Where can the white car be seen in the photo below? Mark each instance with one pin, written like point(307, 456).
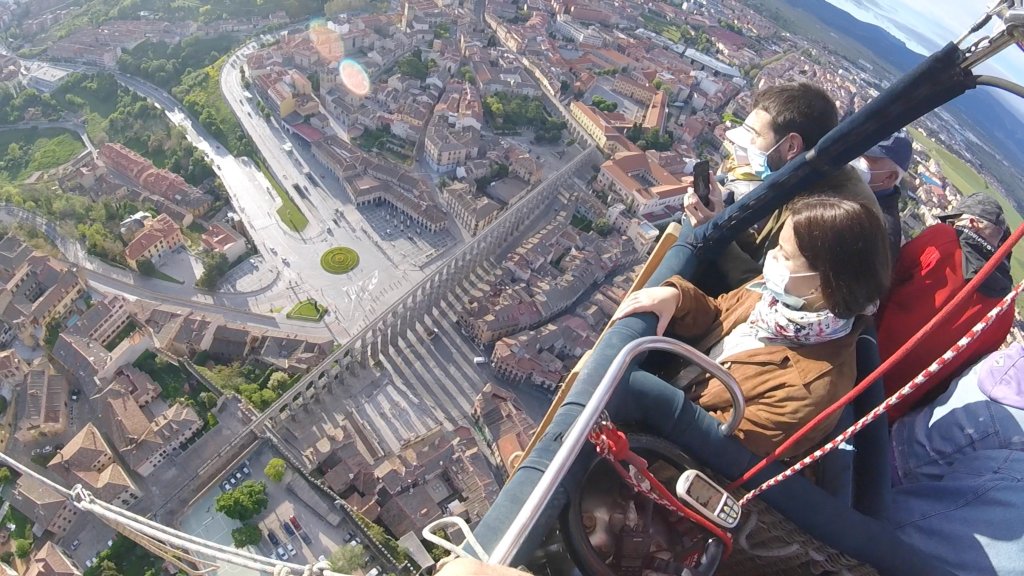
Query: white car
point(291, 549)
point(281, 553)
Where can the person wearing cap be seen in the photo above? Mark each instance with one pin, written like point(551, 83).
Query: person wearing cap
point(958, 466)
point(932, 269)
point(882, 167)
point(787, 120)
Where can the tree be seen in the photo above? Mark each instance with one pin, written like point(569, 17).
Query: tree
point(146, 266)
point(275, 469)
point(244, 502)
point(279, 381)
point(209, 399)
point(215, 266)
point(564, 86)
point(347, 559)
point(246, 535)
point(5, 475)
point(603, 227)
point(22, 548)
point(108, 568)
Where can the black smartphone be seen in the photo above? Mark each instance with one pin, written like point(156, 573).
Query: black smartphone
point(702, 182)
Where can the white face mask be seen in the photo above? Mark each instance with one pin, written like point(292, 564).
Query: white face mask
point(776, 277)
point(759, 160)
point(865, 171)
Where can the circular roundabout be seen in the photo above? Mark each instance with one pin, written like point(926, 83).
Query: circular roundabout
point(339, 260)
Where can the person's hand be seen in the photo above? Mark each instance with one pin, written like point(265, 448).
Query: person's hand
point(662, 300)
point(473, 567)
point(695, 210)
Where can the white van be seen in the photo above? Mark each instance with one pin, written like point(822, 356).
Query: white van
point(480, 360)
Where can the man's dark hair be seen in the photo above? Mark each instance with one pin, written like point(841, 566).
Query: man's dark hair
point(802, 108)
point(846, 244)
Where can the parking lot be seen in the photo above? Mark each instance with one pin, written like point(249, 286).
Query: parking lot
point(180, 264)
point(203, 520)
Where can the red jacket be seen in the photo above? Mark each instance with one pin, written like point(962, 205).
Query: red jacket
point(928, 275)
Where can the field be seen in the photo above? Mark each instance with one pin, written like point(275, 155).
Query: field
point(36, 149)
point(310, 310)
point(289, 211)
point(967, 181)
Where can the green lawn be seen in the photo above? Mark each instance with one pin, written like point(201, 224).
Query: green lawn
point(42, 149)
point(128, 558)
point(120, 336)
point(289, 212)
point(308, 310)
point(159, 275)
point(968, 181)
point(339, 260)
point(581, 223)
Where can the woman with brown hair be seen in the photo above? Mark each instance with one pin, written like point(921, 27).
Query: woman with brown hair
point(788, 337)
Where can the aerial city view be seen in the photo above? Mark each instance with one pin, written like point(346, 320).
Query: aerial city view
point(295, 279)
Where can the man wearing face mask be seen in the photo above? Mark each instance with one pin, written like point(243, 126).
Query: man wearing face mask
point(882, 168)
point(786, 121)
point(932, 269)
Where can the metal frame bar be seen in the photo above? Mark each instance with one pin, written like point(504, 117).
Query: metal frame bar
point(576, 437)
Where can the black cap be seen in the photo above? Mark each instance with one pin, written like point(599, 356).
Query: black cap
point(980, 206)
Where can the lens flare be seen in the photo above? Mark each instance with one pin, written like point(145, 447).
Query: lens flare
point(326, 40)
point(354, 77)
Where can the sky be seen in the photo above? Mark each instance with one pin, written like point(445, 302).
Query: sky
point(947, 20)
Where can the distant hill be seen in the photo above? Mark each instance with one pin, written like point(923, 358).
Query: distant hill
point(992, 121)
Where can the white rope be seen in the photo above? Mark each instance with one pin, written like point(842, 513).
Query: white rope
point(84, 500)
point(24, 470)
point(429, 535)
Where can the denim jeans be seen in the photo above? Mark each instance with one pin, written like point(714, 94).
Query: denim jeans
point(961, 464)
point(970, 520)
point(927, 443)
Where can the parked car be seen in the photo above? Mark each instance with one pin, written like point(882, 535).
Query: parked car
point(288, 528)
point(245, 469)
point(273, 538)
point(305, 538)
point(349, 536)
point(291, 549)
point(295, 522)
point(232, 480)
point(74, 545)
point(238, 475)
point(74, 394)
point(225, 486)
point(281, 553)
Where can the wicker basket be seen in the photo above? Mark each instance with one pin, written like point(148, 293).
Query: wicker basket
point(767, 544)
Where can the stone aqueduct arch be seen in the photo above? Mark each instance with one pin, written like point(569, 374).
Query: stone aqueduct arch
point(376, 339)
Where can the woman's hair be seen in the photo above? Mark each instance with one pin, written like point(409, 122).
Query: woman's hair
point(845, 242)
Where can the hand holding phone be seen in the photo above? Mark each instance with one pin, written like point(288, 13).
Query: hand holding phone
point(702, 182)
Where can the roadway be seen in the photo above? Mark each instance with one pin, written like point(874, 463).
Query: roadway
point(354, 298)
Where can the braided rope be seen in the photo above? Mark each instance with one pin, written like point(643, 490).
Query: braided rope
point(902, 393)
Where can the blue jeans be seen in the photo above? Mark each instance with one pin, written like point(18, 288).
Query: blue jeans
point(961, 462)
point(970, 520)
point(928, 442)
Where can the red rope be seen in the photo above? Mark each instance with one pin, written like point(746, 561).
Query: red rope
point(613, 445)
point(954, 306)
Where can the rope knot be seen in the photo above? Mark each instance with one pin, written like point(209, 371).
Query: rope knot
point(79, 495)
